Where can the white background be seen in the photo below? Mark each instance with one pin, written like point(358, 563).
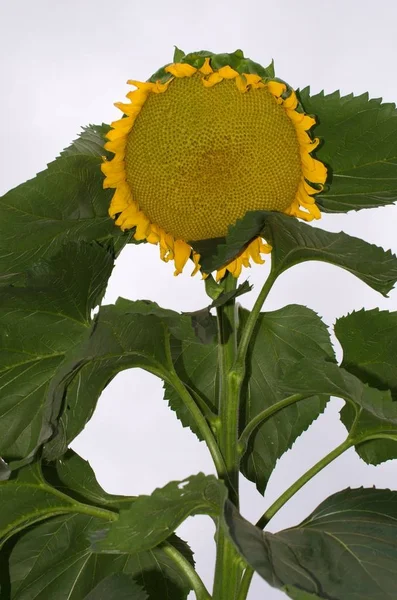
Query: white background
point(63, 64)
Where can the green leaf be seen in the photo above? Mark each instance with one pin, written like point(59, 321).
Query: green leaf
point(360, 146)
point(369, 343)
point(196, 365)
point(346, 549)
point(125, 335)
point(281, 339)
point(151, 519)
point(294, 242)
point(73, 476)
point(117, 587)
point(26, 500)
point(309, 377)
point(54, 561)
point(364, 424)
point(178, 55)
point(66, 202)
point(217, 252)
point(40, 323)
point(225, 297)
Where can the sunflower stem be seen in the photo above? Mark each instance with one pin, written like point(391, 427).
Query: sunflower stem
point(228, 562)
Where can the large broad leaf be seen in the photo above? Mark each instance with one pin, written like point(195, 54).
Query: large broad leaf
point(281, 338)
point(294, 242)
point(66, 202)
point(345, 550)
point(26, 500)
point(308, 377)
point(369, 342)
point(360, 147)
point(39, 324)
point(73, 475)
point(125, 335)
point(54, 561)
point(151, 519)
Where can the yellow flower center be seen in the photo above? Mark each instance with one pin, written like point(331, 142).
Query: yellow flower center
point(198, 158)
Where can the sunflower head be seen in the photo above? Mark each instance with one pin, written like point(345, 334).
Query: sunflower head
point(201, 143)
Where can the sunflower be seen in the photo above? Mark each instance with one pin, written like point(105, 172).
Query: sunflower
point(201, 143)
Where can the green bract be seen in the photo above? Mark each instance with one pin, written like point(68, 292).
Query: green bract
point(247, 383)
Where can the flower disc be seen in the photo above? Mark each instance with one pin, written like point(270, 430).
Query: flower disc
point(198, 158)
point(199, 146)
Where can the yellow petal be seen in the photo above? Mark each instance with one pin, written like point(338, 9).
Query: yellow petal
point(196, 260)
point(166, 247)
point(182, 252)
point(154, 236)
point(220, 273)
point(123, 125)
point(128, 218)
point(227, 72)
point(142, 226)
point(265, 248)
point(313, 210)
point(144, 86)
point(241, 84)
point(116, 134)
point(160, 88)
point(313, 170)
point(291, 102)
point(117, 146)
point(114, 171)
point(276, 88)
point(254, 249)
point(304, 122)
point(212, 80)
point(206, 69)
point(122, 199)
point(310, 190)
point(252, 79)
point(138, 97)
point(234, 267)
point(181, 70)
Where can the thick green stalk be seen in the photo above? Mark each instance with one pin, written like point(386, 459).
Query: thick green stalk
point(188, 571)
point(245, 584)
point(227, 570)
